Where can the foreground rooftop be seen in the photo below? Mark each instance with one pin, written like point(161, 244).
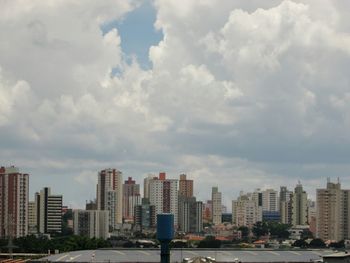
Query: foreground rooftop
point(177, 255)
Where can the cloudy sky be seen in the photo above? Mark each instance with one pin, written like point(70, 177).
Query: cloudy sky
point(239, 94)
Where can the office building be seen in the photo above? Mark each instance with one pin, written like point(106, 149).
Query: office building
point(333, 207)
point(216, 199)
point(14, 189)
point(49, 212)
point(145, 216)
point(146, 182)
point(91, 223)
point(190, 215)
point(299, 206)
point(110, 195)
point(131, 197)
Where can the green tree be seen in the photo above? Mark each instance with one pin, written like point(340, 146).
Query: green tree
point(209, 242)
point(300, 243)
point(317, 243)
point(260, 229)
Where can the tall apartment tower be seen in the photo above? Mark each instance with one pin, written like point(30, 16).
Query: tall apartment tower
point(14, 191)
point(216, 199)
point(299, 206)
point(333, 208)
point(285, 205)
point(110, 195)
point(270, 200)
point(146, 182)
point(131, 197)
point(163, 194)
point(190, 210)
point(185, 186)
point(49, 212)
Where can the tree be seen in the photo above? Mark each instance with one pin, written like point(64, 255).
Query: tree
point(209, 242)
point(260, 229)
point(278, 230)
point(245, 231)
point(317, 243)
point(300, 243)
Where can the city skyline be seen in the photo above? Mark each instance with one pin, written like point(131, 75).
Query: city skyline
point(238, 94)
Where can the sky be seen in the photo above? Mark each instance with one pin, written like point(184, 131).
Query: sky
point(236, 94)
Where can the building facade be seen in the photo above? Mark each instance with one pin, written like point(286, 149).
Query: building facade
point(333, 208)
point(216, 199)
point(185, 186)
point(299, 206)
point(131, 197)
point(285, 205)
point(110, 195)
point(163, 194)
point(14, 191)
point(245, 211)
point(48, 212)
point(190, 215)
point(145, 216)
point(91, 223)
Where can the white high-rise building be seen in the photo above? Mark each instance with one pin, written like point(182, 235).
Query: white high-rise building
point(216, 199)
point(163, 194)
point(270, 201)
point(110, 195)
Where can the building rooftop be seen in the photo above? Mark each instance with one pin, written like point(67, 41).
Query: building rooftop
point(177, 255)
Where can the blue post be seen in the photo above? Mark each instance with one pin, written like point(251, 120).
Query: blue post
point(165, 233)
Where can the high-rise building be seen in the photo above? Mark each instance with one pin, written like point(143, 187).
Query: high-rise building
point(216, 199)
point(190, 215)
point(110, 195)
point(299, 206)
point(14, 191)
point(311, 216)
point(146, 184)
point(91, 223)
point(163, 194)
point(131, 197)
point(270, 200)
point(245, 211)
point(49, 212)
point(145, 216)
point(32, 218)
point(285, 205)
point(333, 208)
point(185, 186)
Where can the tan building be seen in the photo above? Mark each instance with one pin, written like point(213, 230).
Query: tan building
point(299, 206)
point(185, 186)
point(245, 211)
point(333, 208)
point(32, 219)
point(216, 200)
